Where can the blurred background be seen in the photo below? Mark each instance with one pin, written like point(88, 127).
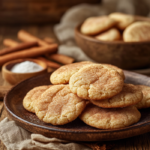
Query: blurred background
point(50, 11)
point(57, 18)
point(36, 11)
point(22, 13)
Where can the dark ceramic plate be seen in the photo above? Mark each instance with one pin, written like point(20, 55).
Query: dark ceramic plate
point(76, 130)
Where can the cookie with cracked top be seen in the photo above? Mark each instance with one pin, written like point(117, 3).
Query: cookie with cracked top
point(145, 102)
point(119, 70)
point(110, 118)
point(63, 74)
point(32, 96)
point(96, 82)
point(58, 105)
point(129, 95)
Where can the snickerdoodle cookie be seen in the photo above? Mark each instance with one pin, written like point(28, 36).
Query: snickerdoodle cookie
point(123, 20)
point(129, 95)
point(96, 82)
point(58, 105)
point(119, 70)
point(138, 31)
point(145, 102)
point(32, 96)
point(95, 25)
point(110, 118)
point(109, 35)
point(63, 74)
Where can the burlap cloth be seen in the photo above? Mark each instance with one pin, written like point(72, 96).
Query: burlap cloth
point(15, 137)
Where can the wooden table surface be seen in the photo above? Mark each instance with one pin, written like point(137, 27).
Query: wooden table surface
point(141, 142)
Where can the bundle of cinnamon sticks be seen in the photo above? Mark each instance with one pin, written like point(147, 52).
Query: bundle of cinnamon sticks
point(33, 47)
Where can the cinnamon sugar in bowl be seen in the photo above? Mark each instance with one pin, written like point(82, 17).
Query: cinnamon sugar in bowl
point(16, 77)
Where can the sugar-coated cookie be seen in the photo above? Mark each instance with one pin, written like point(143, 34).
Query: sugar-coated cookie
point(32, 96)
point(109, 35)
point(123, 20)
point(129, 95)
point(145, 102)
point(58, 105)
point(119, 70)
point(95, 25)
point(110, 118)
point(63, 74)
point(96, 82)
point(136, 32)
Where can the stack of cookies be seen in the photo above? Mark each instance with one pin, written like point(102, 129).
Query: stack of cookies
point(117, 27)
point(96, 93)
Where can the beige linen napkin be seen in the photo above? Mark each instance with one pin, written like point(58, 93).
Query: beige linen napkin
point(16, 138)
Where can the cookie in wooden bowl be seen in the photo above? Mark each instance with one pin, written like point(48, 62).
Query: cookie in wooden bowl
point(123, 20)
point(95, 25)
point(129, 95)
point(137, 32)
point(110, 118)
point(58, 105)
point(96, 82)
point(119, 53)
point(110, 35)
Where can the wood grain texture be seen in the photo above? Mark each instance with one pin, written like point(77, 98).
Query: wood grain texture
point(3, 91)
point(75, 130)
point(40, 11)
point(141, 142)
point(2, 115)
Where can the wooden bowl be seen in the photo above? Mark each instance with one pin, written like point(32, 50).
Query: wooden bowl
point(14, 78)
point(126, 55)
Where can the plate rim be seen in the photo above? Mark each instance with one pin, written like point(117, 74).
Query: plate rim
point(97, 131)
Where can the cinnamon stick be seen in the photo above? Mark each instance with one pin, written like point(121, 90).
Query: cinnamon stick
point(27, 37)
point(49, 40)
point(18, 47)
point(10, 43)
point(49, 63)
point(60, 58)
point(32, 52)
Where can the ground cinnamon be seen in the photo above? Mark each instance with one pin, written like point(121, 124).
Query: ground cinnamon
point(27, 37)
point(18, 47)
point(60, 58)
point(32, 52)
